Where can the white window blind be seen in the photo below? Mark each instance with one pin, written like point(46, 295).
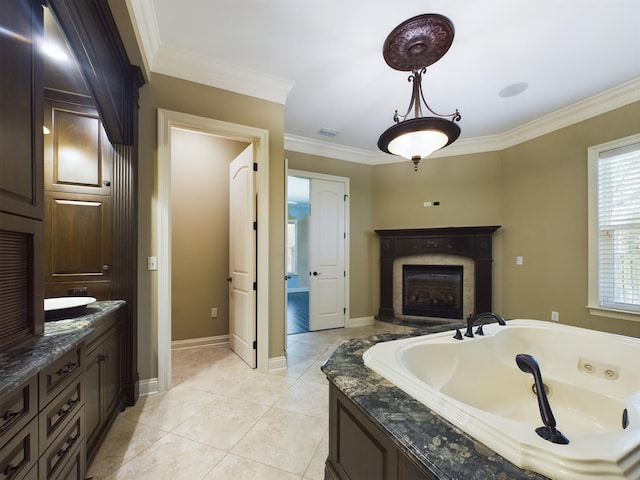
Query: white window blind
point(619, 228)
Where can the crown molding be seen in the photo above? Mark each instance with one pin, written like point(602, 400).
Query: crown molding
point(310, 146)
point(199, 68)
point(146, 30)
point(606, 101)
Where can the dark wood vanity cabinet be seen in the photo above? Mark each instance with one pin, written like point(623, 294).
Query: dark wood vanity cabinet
point(104, 378)
point(42, 433)
point(360, 450)
point(61, 416)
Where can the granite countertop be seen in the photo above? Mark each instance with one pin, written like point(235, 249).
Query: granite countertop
point(439, 447)
point(25, 359)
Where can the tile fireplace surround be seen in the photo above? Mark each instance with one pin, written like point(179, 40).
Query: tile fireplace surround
point(439, 246)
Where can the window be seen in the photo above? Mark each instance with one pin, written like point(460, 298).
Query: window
point(614, 229)
point(292, 232)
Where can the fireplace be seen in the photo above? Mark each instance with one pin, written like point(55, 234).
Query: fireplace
point(432, 291)
point(466, 248)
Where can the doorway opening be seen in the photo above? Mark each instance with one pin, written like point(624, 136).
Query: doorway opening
point(297, 255)
point(317, 251)
point(167, 122)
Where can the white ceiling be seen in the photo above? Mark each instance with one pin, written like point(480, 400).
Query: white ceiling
point(323, 61)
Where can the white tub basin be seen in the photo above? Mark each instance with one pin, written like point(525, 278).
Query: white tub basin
point(476, 385)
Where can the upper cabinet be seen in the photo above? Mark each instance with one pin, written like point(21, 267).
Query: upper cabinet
point(21, 92)
point(78, 155)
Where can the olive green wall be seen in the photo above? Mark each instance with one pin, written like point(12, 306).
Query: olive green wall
point(545, 220)
point(200, 233)
point(537, 192)
point(360, 212)
point(195, 99)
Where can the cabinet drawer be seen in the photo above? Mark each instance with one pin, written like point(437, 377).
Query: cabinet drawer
point(63, 447)
point(60, 373)
point(18, 408)
point(20, 453)
point(55, 416)
point(75, 466)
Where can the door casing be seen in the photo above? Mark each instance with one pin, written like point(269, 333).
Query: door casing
point(346, 181)
point(167, 120)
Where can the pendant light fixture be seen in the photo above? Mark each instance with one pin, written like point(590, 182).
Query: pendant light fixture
point(411, 47)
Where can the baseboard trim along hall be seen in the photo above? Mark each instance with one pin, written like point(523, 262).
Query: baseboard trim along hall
point(277, 364)
point(358, 322)
point(200, 342)
point(148, 387)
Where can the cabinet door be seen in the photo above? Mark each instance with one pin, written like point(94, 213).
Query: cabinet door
point(78, 157)
point(20, 109)
point(113, 370)
point(357, 447)
point(93, 402)
point(78, 244)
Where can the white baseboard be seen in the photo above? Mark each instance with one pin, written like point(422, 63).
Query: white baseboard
point(200, 342)
point(359, 322)
point(148, 387)
point(277, 364)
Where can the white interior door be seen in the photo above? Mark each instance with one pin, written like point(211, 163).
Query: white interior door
point(327, 255)
point(242, 257)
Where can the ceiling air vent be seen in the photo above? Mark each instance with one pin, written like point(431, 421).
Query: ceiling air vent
point(328, 132)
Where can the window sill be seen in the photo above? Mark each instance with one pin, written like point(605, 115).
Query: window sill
point(619, 314)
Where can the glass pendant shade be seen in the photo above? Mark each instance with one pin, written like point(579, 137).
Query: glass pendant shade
point(418, 137)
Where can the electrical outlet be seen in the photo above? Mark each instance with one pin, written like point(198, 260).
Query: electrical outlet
point(214, 313)
point(519, 260)
point(555, 316)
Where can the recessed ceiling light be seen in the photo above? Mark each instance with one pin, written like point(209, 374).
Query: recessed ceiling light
point(328, 132)
point(513, 89)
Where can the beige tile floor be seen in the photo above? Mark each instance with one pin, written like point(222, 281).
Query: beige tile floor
point(223, 420)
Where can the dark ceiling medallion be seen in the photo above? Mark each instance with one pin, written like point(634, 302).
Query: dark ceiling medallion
point(412, 46)
point(418, 42)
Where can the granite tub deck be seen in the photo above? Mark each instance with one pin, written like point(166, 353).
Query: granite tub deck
point(437, 446)
point(25, 359)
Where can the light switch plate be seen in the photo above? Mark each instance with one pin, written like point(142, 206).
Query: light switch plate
point(152, 263)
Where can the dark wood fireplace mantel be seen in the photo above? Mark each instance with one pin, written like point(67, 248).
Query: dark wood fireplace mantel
point(473, 242)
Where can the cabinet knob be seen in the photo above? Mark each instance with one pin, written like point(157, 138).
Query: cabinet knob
point(105, 268)
point(107, 183)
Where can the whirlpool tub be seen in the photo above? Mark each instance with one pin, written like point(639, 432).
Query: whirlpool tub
point(592, 381)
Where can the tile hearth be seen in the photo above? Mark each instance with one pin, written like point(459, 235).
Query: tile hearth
point(223, 420)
